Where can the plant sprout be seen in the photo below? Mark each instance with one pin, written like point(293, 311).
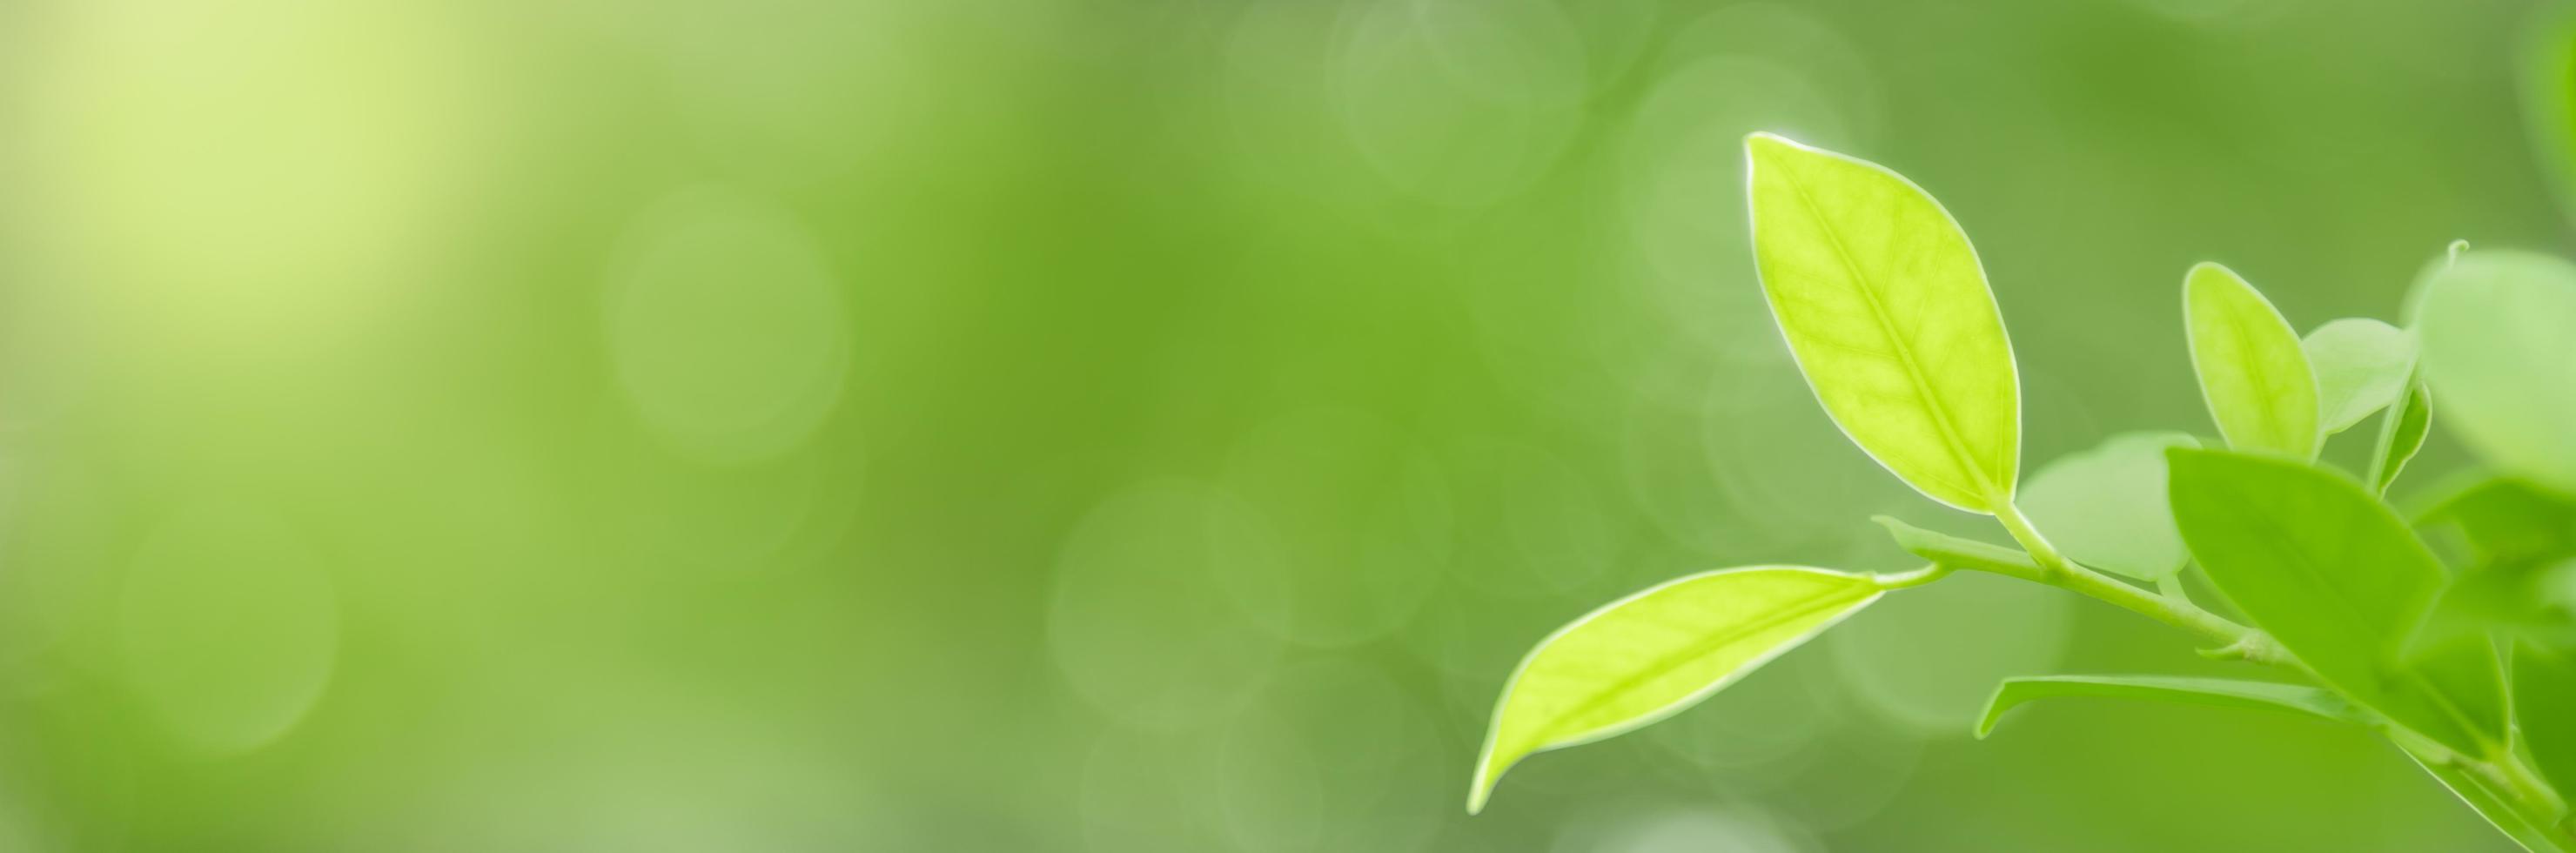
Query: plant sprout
point(2467, 667)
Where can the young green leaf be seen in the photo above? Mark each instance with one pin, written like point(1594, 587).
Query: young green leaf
point(1648, 656)
point(2106, 507)
point(2494, 330)
point(2544, 703)
point(2361, 365)
point(1887, 311)
point(2401, 435)
point(2253, 374)
point(2335, 576)
point(2222, 692)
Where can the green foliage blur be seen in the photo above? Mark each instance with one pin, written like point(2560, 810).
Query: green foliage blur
point(1118, 425)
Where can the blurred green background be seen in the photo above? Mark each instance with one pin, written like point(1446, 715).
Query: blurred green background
point(1114, 425)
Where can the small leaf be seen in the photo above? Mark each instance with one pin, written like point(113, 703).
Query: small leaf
point(2335, 576)
point(2544, 703)
point(2106, 507)
point(1648, 656)
point(2253, 374)
point(1887, 311)
point(2495, 334)
point(2361, 367)
point(2222, 692)
point(2402, 436)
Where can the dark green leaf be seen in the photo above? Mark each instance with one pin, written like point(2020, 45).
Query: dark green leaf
point(2335, 576)
point(2544, 704)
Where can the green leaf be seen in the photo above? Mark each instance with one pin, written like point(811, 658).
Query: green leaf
point(1887, 311)
point(2509, 520)
point(2473, 791)
point(2494, 328)
point(2521, 540)
point(1955, 552)
point(2544, 704)
point(2340, 581)
point(2106, 507)
point(2361, 366)
point(1648, 656)
point(2252, 371)
point(2222, 692)
point(2401, 436)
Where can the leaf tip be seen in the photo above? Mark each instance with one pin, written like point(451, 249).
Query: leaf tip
point(1764, 145)
point(2207, 270)
point(1995, 708)
point(1481, 788)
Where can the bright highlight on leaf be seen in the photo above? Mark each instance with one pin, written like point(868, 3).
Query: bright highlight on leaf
point(1648, 656)
point(2495, 333)
point(2361, 365)
point(2106, 506)
point(1885, 306)
point(2335, 576)
point(2221, 692)
point(2253, 373)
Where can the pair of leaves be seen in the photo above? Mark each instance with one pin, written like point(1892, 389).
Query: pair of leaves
point(1886, 309)
point(2273, 392)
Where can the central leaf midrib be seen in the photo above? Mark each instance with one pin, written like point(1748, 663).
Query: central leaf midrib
point(1904, 349)
point(1717, 640)
point(2242, 330)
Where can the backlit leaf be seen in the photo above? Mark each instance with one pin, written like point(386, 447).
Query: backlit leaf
point(2340, 581)
point(1648, 656)
point(2361, 367)
point(2495, 328)
point(2222, 692)
point(2253, 373)
point(1886, 308)
point(2106, 506)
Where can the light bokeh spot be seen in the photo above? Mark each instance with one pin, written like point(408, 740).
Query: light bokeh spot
point(726, 324)
point(228, 627)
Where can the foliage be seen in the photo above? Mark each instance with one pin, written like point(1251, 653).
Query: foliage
point(1885, 306)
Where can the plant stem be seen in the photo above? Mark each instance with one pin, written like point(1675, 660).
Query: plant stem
point(2502, 787)
point(2058, 571)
